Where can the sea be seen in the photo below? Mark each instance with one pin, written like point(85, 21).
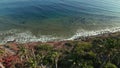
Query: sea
point(55, 20)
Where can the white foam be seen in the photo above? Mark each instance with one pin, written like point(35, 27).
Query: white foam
point(23, 37)
point(85, 33)
point(27, 36)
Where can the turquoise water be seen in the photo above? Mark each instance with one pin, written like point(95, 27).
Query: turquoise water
point(56, 18)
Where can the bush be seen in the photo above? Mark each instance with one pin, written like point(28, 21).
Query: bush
point(110, 65)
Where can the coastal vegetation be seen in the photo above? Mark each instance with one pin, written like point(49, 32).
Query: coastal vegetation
point(93, 53)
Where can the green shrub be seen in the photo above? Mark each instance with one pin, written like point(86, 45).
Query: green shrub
point(110, 65)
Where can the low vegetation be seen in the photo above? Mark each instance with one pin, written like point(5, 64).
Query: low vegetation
point(97, 53)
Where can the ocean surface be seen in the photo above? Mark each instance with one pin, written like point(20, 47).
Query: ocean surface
point(46, 20)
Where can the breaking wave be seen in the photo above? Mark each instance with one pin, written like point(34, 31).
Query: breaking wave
point(27, 36)
point(83, 33)
point(24, 37)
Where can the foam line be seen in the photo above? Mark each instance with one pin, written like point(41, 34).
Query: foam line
point(27, 36)
point(84, 33)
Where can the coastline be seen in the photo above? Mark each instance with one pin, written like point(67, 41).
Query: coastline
point(60, 43)
point(11, 48)
point(27, 37)
point(59, 34)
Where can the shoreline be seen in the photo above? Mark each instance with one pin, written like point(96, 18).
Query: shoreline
point(23, 38)
point(13, 46)
point(12, 49)
point(81, 38)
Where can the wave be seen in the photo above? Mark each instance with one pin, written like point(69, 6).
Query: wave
point(26, 36)
point(84, 33)
point(23, 37)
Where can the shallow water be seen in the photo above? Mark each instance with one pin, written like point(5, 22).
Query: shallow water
point(55, 19)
